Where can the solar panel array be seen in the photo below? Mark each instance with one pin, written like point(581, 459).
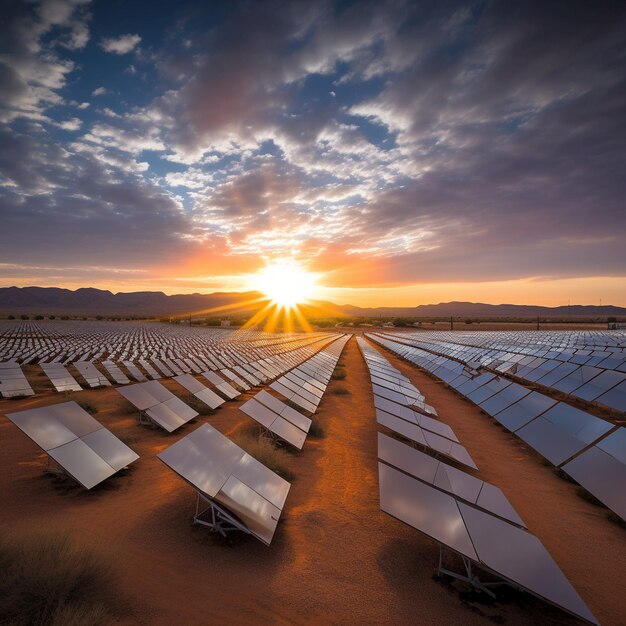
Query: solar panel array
point(568, 437)
point(480, 538)
point(60, 377)
point(13, 383)
point(237, 492)
point(304, 385)
point(589, 366)
point(465, 515)
point(157, 405)
point(93, 377)
point(200, 391)
point(102, 353)
point(78, 443)
point(414, 421)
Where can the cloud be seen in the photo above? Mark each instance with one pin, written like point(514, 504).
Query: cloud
point(31, 72)
point(120, 45)
point(71, 124)
point(385, 141)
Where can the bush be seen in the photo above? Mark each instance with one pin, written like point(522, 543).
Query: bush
point(48, 578)
point(317, 429)
point(11, 317)
point(198, 405)
point(339, 373)
point(340, 391)
point(38, 317)
point(24, 317)
point(87, 406)
point(264, 451)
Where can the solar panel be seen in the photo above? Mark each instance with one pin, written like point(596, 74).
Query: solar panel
point(13, 383)
point(519, 557)
point(499, 401)
point(241, 493)
point(284, 410)
point(525, 410)
point(436, 443)
point(82, 447)
point(414, 417)
point(91, 374)
point(425, 508)
point(60, 377)
point(275, 423)
point(446, 477)
point(224, 388)
point(509, 552)
point(158, 405)
point(562, 431)
point(601, 470)
point(614, 398)
point(135, 372)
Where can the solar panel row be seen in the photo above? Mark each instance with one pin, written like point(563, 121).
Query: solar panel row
point(467, 516)
point(411, 420)
point(566, 436)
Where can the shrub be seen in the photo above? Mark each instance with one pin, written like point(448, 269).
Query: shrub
point(317, 429)
point(198, 405)
point(264, 451)
point(48, 578)
point(87, 406)
point(24, 317)
point(340, 391)
point(339, 373)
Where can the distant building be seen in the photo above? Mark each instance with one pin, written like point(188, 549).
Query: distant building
point(225, 323)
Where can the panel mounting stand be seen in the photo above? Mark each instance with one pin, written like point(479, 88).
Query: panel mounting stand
point(215, 517)
point(469, 576)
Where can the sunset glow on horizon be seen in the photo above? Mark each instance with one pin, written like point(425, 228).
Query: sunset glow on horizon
point(400, 154)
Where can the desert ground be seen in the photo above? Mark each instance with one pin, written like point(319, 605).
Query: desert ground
point(335, 558)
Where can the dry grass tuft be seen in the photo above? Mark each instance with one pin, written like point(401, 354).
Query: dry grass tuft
point(46, 577)
point(198, 406)
point(339, 373)
point(88, 406)
point(317, 429)
point(264, 451)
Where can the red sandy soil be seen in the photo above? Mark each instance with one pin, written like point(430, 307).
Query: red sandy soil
point(335, 558)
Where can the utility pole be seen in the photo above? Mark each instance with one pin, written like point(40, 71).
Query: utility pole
point(451, 323)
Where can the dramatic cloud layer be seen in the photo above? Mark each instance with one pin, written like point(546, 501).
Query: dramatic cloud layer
point(383, 143)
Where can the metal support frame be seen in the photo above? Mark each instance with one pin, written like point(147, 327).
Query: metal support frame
point(52, 467)
point(469, 577)
point(146, 420)
point(219, 519)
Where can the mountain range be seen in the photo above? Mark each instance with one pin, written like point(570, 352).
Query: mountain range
point(89, 301)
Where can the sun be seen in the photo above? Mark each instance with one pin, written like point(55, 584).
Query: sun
point(285, 283)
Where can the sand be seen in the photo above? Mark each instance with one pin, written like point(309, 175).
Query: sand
point(335, 558)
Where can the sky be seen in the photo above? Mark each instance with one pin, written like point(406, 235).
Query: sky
point(403, 152)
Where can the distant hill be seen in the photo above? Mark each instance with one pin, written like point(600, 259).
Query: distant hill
point(88, 301)
point(477, 309)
